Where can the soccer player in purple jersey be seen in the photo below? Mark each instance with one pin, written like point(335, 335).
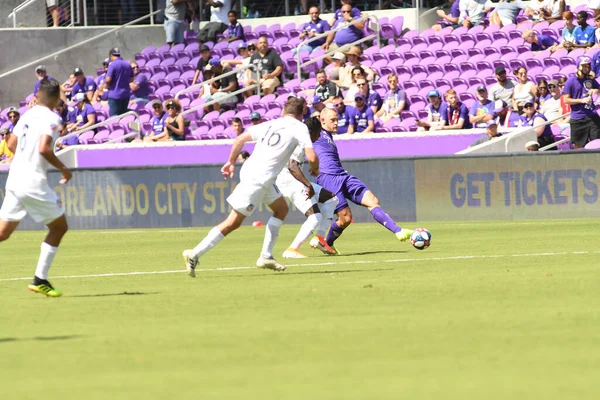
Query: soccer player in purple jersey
point(346, 187)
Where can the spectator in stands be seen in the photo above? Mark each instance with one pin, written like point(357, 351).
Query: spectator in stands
point(208, 87)
point(158, 120)
point(584, 33)
point(70, 141)
point(174, 123)
point(325, 89)
point(13, 115)
point(101, 93)
point(473, 12)
point(54, 11)
point(447, 20)
point(269, 66)
point(456, 115)
point(174, 19)
point(83, 84)
point(568, 32)
point(67, 86)
point(594, 5)
point(435, 110)
point(505, 116)
point(535, 119)
point(505, 12)
point(532, 146)
point(6, 155)
point(219, 10)
point(347, 35)
point(315, 27)
point(345, 114)
point(237, 126)
point(336, 68)
point(202, 63)
point(525, 90)
point(372, 98)
point(339, 16)
point(481, 111)
point(234, 30)
point(139, 86)
point(565, 108)
point(597, 32)
point(353, 57)
point(40, 72)
point(356, 74)
point(394, 100)
point(545, 10)
point(363, 119)
point(315, 106)
point(504, 88)
point(538, 41)
point(85, 114)
point(63, 112)
point(226, 85)
point(117, 79)
point(491, 132)
point(255, 118)
point(578, 92)
point(542, 94)
point(552, 108)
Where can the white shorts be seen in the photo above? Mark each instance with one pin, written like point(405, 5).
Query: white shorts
point(249, 194)
point(51, 3)
point(594, 4)
point(42, 208)
point(296, 193)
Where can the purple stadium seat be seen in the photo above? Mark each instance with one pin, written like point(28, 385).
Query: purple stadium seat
point(594, 144)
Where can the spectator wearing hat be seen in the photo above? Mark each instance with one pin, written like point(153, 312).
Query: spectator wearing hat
point(345, 114)
point(218, 20)
point(315, 27)
point(394, 100)
point(505, 116)
point(538, 41)
point(174, 19)
point(447, 20)
point(40, 72)
point(83, 84)
point(316, 106)
point(584, 34)
point(536, 120)
point(525, 90)
point(503, 89)
point(255, 118)
point(6, 155)
point(352, 56)
point(347, 35)
point(139, 86)
point(338, 59)
point(13, 115)
point(435, 111)
point(472, 13)
point(578, 92)
point(101, 93)
point(227, 84)
point(158, 120)
point(482, 110)
point(363, 119)
point(118, 77)
point(85, 114)
point(552, 108)
point(456, 115)
point(202, 63)
point(532, 145)
point(174, 124)
point(234, 30)
point(268, 65)
point(205, 89)
point(491, 132)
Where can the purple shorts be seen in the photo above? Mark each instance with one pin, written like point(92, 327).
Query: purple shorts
point(344, 186)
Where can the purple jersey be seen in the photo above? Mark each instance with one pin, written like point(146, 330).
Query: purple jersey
point(36, 87)
point(83, 114)
point(71, 141)
point(478, 109)
point(339, 16)
point(436, 114)
point(158, 123)
point(319, 27)
point(101, 80)
point(577, 88)
point(392, 99)
point(88, 86)
point(374, 100)
point(121, 73)
point(329, 158)
point(454, 114)
point(454, 13)
point(360, 118)
point(544, 41)
point(235, 30)
point(144, 90)
point(344, 119)
point(347, 35)
point(529, 122)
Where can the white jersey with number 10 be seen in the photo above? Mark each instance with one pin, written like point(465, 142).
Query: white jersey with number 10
point(275, 143)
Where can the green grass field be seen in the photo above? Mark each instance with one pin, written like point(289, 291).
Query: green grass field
point(491, 311)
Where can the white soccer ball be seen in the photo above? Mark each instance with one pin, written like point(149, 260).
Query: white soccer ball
point(420, 238)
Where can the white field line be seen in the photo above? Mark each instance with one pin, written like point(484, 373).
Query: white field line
point(321, 264)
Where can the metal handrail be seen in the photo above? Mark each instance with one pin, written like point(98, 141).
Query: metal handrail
point(532, 128)
point(58, 53)
point(220, 100)
point(99, 124)
point(217, 78)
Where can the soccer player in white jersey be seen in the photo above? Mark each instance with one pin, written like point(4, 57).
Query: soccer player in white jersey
point(27, 189)
point(318, 209)
point(275, 142)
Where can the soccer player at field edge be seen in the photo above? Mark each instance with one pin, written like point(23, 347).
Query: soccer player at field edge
point(275, 142)
point(27, 189)
point(346, 187)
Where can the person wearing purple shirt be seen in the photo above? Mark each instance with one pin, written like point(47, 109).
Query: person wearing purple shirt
point(362, 119)
point(345, 114)
point(578, 92)
point(539, 42)
point(158, 121)
point(118, 78)
point(337, 15)
point(86, 115)
point(483, 110)
point(41, 74)
point(347, 35)
point(457, 114)
point(394, 100)
point(234, 30)
point(346, 187)
point(70, 141)
point(435, 109)
point(316, 26)
point(83, 84)
point(448, 19)
point(13, 116)
point(536, 119)
point(139, 87)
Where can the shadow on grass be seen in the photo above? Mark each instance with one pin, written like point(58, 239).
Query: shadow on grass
point(40, 338)
point(114, 294)
point(333, 271)
point(368, 253)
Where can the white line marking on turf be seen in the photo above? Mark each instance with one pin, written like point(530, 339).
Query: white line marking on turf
point(321, 264)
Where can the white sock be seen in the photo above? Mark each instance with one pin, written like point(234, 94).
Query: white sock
point(47, 254)
point(271, 234)
point(307, 229)
point(327, 209)
point(211, 240)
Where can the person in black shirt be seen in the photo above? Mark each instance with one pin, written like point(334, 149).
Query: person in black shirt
point(202, 63)
point(227, 85)
point(268, 65)
point(325, 89)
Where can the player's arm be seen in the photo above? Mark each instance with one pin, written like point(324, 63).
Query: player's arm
point(238, 143)
point(296, 171)
point(47, 152)
point(312, 159)
point(11, 143)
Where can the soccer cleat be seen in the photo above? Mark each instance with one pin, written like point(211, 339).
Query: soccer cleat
point(44, 287)
point(293, 253)
point(190, 263)
point(404, 234)
point(269, 263)
point(318, 242)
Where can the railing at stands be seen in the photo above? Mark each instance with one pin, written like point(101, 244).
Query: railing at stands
point(331, 52)
point(517, 134)
point(104, 123)
point(71, 13)
point(217, 78)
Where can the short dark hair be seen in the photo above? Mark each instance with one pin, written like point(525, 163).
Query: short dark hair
point(236, 120)
point(294, 106)
point(313, 124)
point(321, 71)
point(583, 14)
point(235, 14)
point(50, 87)
point(263, 36)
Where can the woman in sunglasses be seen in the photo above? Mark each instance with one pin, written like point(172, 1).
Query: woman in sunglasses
point(6, 155)
point(535, 119)
point(525, 90)
point(13, 116)
point(543, 93)
point(174, 127)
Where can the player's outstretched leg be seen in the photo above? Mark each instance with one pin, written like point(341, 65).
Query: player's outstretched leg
point(327, 206)
point(57, 230)
point(337, 227)
point(214, 236)
point(313, 219)
point(372, 203)
point(266, 259)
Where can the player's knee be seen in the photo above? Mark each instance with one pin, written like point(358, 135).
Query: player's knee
point(344, 220)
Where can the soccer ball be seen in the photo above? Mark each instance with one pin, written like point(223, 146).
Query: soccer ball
point(420, 238)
